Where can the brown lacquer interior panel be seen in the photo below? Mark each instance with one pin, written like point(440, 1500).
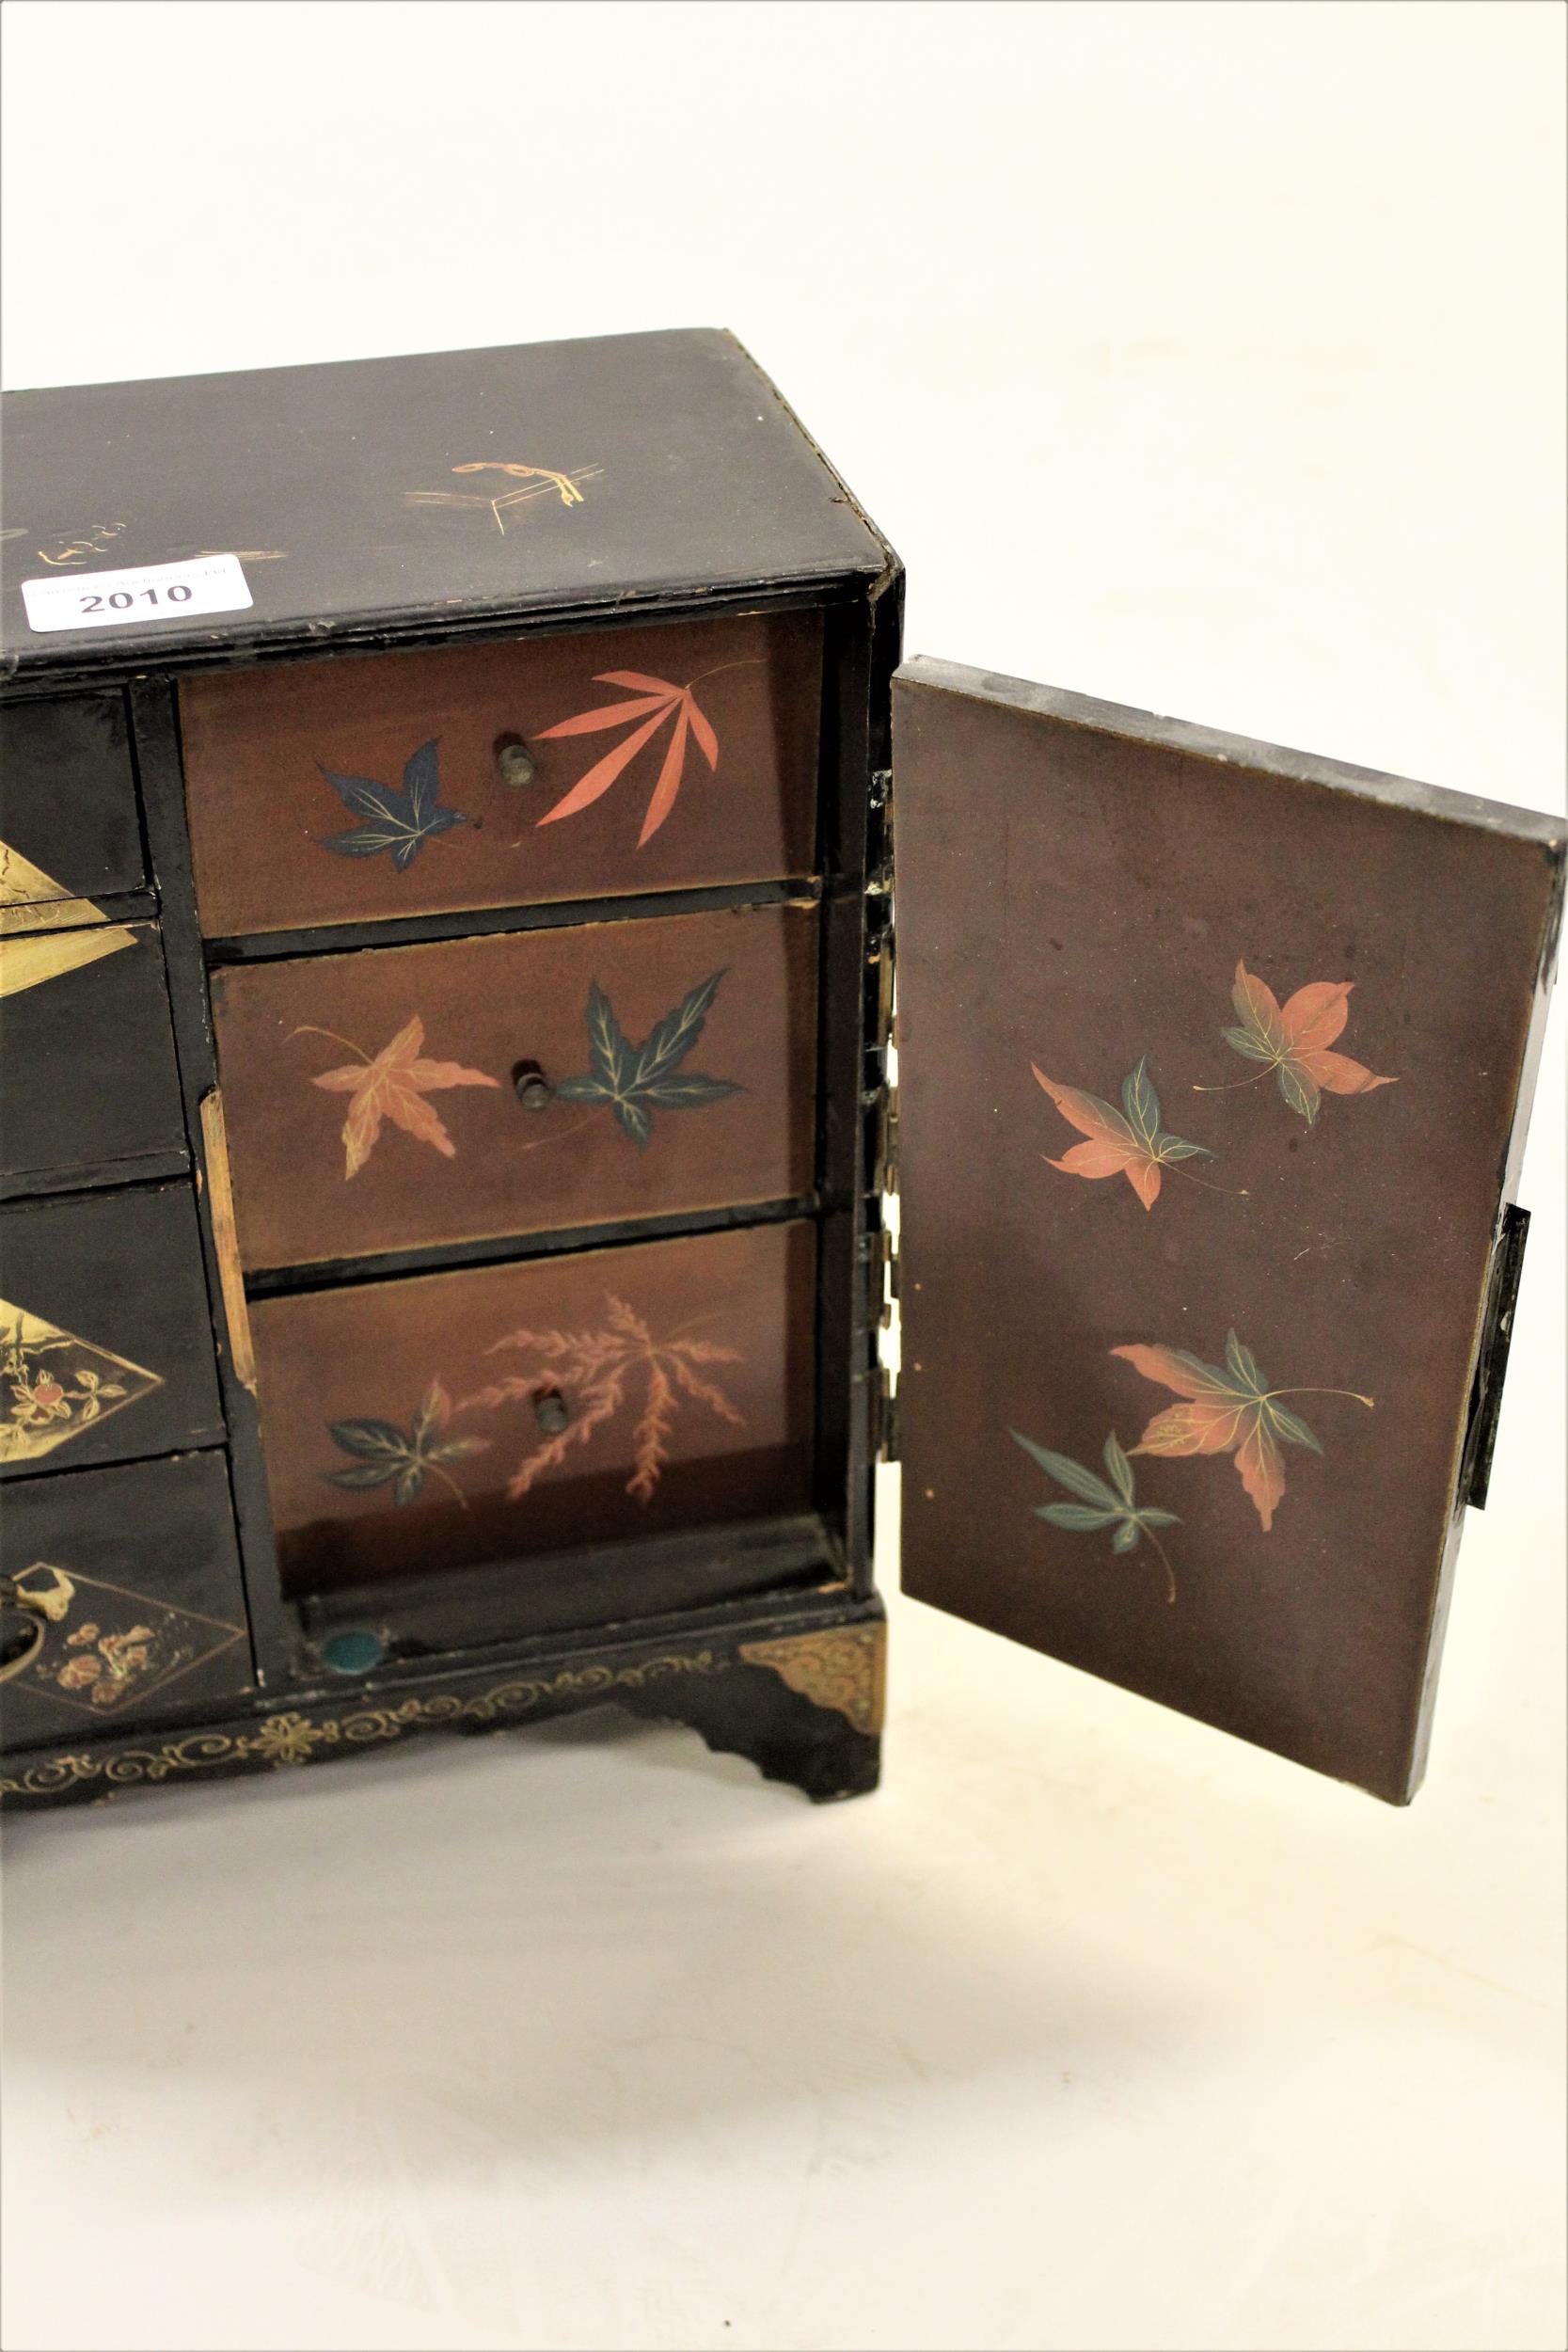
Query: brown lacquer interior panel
point(572, 766)
point(665, 1066)
point(1209, 1066)
point(449, 1420)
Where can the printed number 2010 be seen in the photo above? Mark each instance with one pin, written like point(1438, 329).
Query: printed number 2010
point(122, 599)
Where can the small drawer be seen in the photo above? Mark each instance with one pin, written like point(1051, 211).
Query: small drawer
point(447, 1419)
point(105, 1340)
point(471, 1089)
point(470, 776)
point(70, 830)
point(134, 1580)
point(88, 1075)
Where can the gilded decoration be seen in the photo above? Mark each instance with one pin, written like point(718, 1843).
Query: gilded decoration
point(114, 1646)
point(294, 1738)
point(842, 1667)
point(52, 1386)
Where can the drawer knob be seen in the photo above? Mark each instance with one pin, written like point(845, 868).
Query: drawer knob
point(550, 1411)
point(354, 1651)
point(515, 761)
point(534, 1090)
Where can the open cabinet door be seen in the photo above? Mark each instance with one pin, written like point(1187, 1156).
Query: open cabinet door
point(1214, 1063)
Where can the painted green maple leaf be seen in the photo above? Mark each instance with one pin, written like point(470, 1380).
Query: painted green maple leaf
point(637, 1080)
point(398, 821)
point(386, 1455)
point(1099, 1506)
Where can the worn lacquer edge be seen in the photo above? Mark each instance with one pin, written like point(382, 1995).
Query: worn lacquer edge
point(226, 1245)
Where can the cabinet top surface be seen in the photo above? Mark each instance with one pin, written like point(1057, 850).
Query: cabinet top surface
point(376, 498)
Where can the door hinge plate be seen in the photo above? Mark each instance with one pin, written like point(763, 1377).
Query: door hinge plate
point(1496, 1333)
point(886, 1432)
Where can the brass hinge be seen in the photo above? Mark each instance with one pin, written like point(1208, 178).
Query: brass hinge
point(881, 1285)
point(1486, 1392)
point(886, 1433)
point(885, 1176)
point(885, 991)
point(888, 1287)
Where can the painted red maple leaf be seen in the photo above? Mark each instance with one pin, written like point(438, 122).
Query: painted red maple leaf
point(1229, 1409)
point(651, 704)
point(1296, 1040)
point(392, 1085)
point(1130, 1142)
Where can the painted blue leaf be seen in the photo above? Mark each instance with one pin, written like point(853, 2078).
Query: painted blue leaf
point(358, 1477)
point(1290, 1427)
point(421, 784)
point(1152, 1517)
point(685, 1094)
point(1126, 1536)
point(1172, 1148)
point(1072, 1475)
point(365, 841)
point(1243, 1365)
point(1245, 1043)
point(670, 1040)
point(1141, 1103)
point(1119, 1467)
point(371, 1438)
point(1300, 1091)
point(366, 797)
point(610, 1050)
point(637, 1080)
point(399, 821)
point(1075, 1515)
point(633, 1120)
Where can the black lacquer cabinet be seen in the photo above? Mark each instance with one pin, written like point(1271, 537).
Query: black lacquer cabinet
point(446, 981)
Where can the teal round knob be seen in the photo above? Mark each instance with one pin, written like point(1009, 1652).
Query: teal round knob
point(354, 1651)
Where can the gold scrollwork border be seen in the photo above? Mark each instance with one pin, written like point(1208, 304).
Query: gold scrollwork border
point(842, 1667)
point(292, 1738)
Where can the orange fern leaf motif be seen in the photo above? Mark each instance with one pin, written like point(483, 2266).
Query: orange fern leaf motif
point(393, 1085)
point(1130, 1142)
point(1227, 1410)
point(1296, 1040)
point(650, 701)
point(597, 1372)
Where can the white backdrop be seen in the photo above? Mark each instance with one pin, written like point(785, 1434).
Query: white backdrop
point(1204, 357)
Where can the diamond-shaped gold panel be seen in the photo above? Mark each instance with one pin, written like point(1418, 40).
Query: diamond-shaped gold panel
point(107, 1645)
point(32, 901)
point(53, 1384)
point(48, 955)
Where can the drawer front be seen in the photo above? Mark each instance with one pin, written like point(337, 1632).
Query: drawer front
point(88, 1075)
point(453, 1419)
point(105, 1342)
point(352, 790)
point(136, 1576)
point(69, 832)
point(372, 1099)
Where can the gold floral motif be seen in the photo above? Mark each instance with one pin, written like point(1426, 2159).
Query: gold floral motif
point(126, 1645)
point(537, 480)
point(287, 1739)
point(842, 1667)
point(53, 1384)
point(65, 547)
point(292, 1738)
